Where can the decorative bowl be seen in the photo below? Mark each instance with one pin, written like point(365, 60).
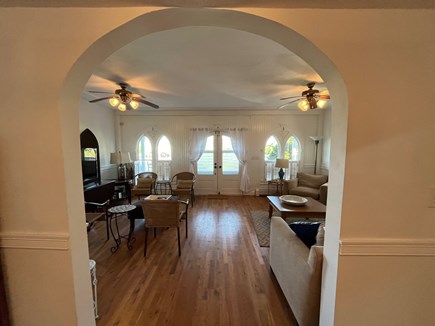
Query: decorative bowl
point(293, 200)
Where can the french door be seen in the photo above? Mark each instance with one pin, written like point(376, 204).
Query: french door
point(218, 169)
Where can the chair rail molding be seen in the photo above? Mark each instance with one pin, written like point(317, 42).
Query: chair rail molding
point(39, 241)
point(387, 247)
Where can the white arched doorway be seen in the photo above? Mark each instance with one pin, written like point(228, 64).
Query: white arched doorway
point(177, 18)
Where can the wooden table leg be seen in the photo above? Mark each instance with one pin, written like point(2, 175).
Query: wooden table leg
point(270, 210)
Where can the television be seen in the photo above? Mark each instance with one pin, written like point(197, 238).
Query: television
point(90, 169)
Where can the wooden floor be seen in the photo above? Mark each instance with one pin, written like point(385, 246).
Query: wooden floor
point(222, 277)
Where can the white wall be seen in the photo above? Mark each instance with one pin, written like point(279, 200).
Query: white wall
point(384, 219)
point(100, 120)
point(260, 126)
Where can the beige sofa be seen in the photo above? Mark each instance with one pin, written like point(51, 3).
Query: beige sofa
point(298, 270)
point(309, 185)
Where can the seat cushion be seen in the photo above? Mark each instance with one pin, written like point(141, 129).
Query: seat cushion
point(305, 192)
point(184, 184)
point(144, 182)
point(311, 180)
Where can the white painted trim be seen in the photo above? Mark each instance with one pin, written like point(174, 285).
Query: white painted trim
point(387, 247)
point(41, 241)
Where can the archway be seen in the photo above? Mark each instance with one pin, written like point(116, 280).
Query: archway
point(176, 18)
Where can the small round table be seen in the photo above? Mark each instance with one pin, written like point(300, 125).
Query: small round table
point(114, 212)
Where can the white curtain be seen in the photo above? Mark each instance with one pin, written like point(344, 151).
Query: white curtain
point(198, 140)
point(239, 147)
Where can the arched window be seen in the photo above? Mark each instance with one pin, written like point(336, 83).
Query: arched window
point(144, 156)
point(292, 152)
point(292, 149)
point(164, 158)
point(272, 151)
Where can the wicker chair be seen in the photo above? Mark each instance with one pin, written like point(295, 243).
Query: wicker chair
point(143, 184)
point(163, 213)
point(183, 183)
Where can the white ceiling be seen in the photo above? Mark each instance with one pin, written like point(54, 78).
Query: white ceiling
point(205, 68)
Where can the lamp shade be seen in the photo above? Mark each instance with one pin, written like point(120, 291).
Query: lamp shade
point(281, 163)
point(120, 158)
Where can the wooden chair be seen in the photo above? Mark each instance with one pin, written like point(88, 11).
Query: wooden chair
point(143, 184)
point(163, 213)
point(183, 183)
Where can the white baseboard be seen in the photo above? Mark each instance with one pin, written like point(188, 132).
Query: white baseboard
point(387, 247)
point(38, 241)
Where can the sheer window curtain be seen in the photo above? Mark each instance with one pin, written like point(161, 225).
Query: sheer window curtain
point(239, 147)
point(198, 140)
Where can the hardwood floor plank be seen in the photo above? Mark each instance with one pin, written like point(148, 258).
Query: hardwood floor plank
point(222, 277)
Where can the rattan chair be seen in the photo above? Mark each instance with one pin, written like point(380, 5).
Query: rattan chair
point(143, 184)
point(163, 213)
point(183, 183)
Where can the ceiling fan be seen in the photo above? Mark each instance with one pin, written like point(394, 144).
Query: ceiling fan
point(310, 99)
point(121, 97)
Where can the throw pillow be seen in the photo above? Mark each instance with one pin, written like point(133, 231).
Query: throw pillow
point(184, 184)
point(306, 231)
point(144, 182)
point(320, 237)
point(311, 180)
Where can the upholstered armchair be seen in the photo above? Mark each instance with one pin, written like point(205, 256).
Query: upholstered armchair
point(309, 185)
point(143, 184)
point(183, 183)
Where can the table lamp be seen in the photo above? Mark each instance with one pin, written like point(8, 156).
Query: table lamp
point(120, 158)
point(281, 163)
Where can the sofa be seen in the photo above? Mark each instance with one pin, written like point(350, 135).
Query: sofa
point(309, 185)
point(298, 270)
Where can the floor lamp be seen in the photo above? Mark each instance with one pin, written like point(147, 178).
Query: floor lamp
point(316, 142)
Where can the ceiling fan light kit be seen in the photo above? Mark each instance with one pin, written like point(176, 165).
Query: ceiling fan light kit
point(122, 97)
point(310, 99)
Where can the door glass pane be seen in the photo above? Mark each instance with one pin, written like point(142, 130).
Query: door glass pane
point(230, 163)
point(206, 162)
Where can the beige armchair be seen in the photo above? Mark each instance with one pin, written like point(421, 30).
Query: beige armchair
point(183, 183)
point(309, 185)
point(143, 184)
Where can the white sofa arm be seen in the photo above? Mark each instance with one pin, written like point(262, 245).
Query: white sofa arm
point(298, 270)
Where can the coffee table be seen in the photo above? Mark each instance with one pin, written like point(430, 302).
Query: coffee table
point(312, 209)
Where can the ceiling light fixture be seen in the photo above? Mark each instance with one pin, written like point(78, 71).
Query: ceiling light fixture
point(309, 99)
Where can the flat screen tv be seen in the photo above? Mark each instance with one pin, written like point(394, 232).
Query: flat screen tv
point(90, 164)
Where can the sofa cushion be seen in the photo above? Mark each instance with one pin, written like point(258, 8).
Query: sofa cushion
point(320, 237)
point(311, 180)
point(306, 231)
point(305, 192)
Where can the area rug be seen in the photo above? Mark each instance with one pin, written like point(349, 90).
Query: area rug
point(261, 222)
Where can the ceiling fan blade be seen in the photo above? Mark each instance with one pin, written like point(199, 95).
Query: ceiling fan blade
point(100, 99)
point(138, 95)
point(98, 92)
point(155, 106)
point(325, 97)
point(280, 107)
point(286, 98)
